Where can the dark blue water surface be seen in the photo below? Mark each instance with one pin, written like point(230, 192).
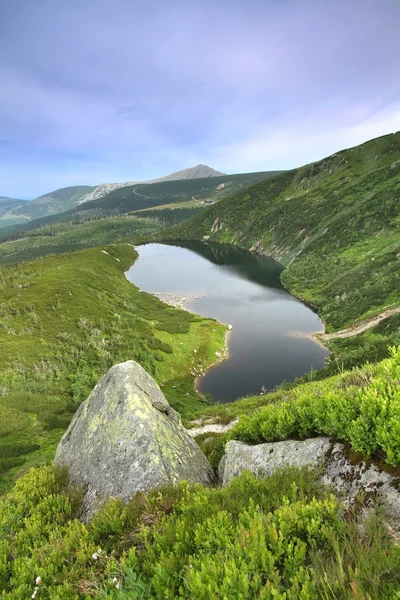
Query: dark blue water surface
point(268, 342)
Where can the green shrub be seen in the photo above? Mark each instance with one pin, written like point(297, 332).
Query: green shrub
point(213, 446)
point(362, 407)
point(17, 449)
point(279, 537)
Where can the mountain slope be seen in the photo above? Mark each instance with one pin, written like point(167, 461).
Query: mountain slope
point(7, 204)
point(65, 199)
point(139, 197)
point(51, 203)
point(335, 224)
point(198, 172)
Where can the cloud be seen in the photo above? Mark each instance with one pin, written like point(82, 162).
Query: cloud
point(303, 140)
point(95, 90)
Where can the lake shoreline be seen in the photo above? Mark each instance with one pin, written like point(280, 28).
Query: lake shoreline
point(179, 301)
point(313, 336)
point(224, 355)
point(234, 287)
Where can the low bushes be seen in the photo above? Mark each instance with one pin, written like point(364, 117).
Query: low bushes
point(361, 407)
point(279, 538)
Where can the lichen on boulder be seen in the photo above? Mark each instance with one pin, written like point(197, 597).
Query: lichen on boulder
point(125, 437)
point(348, 479)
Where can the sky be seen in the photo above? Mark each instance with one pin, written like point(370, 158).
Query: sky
point(95, 91)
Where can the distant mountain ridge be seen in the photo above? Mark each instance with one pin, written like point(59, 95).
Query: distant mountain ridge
point(9, 203)
point(49, 204)
point(187, 194)
point(65, 199)
point(198, 172)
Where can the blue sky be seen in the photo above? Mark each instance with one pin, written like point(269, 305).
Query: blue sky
point(97, 91)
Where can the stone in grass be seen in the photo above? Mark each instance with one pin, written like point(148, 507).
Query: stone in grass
point(125, 437)
point(265, 459)
point(347, 478)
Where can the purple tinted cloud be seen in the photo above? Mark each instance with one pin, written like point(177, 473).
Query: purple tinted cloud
point(101, 90)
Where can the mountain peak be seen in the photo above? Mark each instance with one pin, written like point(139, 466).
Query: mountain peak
point(197, 172)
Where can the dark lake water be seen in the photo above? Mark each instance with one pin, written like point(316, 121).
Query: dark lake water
point(268, 342)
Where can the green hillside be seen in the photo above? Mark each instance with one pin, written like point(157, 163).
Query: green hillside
point(281, 538)
point(335, 224)
point(64, 320)
point(70, 236)
point(140, 196)
point(7, 205)
point(49, 204)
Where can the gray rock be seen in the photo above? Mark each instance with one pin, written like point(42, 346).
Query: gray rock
point(346, 478)
point(349, 478)
point(264, 459)
point(125, 437)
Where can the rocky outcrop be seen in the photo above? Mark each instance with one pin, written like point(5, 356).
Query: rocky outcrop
point(346, 478)
point(210, 427)
point(217, 225)
point(125, 437)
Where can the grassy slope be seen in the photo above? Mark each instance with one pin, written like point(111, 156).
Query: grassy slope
point(70, 236)
point(64, 320)
point(335, 224)
point(361, 407)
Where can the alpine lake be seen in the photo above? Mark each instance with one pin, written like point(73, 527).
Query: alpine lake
point(271, 336)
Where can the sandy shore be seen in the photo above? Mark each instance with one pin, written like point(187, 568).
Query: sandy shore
point(315, 336)
point(176, 300)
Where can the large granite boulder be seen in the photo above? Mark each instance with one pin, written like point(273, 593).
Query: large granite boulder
point(347, 477)
point(125, 437)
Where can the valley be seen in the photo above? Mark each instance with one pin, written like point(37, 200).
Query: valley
point(265, 257)
point(109, 200)
point(200, 300)
point(334, 224)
